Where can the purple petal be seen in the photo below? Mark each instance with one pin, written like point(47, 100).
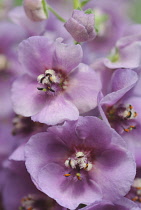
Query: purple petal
point(83, 89)
point(110, 179)
point(27, 100)
point(47, 147)
point(57, 110)
point(67, 57)
point(67, 193)
point(35, 54)
point(127, 59)
point(123, 78)
point(93, 131)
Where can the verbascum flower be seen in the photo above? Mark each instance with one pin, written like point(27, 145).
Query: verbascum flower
point(55, 87)
point(80, 162)
point(121, 109)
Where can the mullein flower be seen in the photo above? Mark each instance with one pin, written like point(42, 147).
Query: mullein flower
point(81, 26)
point(121, 109)
point(122, 55)
point(80, 162)
point(54, 88)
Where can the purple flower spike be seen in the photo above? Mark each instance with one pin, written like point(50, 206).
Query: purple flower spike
point(81, 26)
point(54, 88)
point(80, 162)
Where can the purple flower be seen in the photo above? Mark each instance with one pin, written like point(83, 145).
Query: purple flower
point(80, 162)
point(123, 204)
point(121, 109)
point(53, 89)
point(81, 26)
point(122, 55)
point(135, 191)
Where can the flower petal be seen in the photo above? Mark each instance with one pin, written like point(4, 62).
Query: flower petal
point(83, 89)
point(35, 54)
point(57, 110)
point(52, 150)
point(26, 99)
point(67, 193)
point(66, 57)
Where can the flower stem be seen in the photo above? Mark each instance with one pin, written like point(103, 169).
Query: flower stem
point(76, 4)
point(56, 14)
point(83, 3)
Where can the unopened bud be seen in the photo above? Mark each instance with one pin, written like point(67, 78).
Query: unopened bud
point(36, 10)
point(81, 26)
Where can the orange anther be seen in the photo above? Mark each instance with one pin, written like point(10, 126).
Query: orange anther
point(66, 175)
point(126, 130)
point(135, 198)
point(132, 126)
point(135, 114)
point(130, 107)
point(79, 178)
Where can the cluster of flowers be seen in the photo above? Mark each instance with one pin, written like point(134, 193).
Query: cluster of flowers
point(70, 122)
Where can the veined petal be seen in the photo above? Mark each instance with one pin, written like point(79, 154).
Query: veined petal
point(26, 99)
point(57, 110)
point(35, 55)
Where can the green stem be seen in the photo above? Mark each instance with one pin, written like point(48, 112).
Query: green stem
point(76, 4)
point(56, 14)
point(83, 3)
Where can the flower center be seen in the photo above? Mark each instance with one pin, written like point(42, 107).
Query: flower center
point(52, 81)
point(123, 115)
point(24, 125)
point(34, 202)
point(135, 192)
point(79, 161)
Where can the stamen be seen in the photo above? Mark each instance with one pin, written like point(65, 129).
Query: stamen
point(43, 89)
point(79, 154)
point(78, 175)
point(46, 89)
point(67, 175)
point(126, 130)
point(130, 107)
point(135, 198)
point(135, 114)
point(129, 114)
point(130, 128)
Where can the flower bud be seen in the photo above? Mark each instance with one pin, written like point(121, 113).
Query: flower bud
point(36, 10)
point(81, 26)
